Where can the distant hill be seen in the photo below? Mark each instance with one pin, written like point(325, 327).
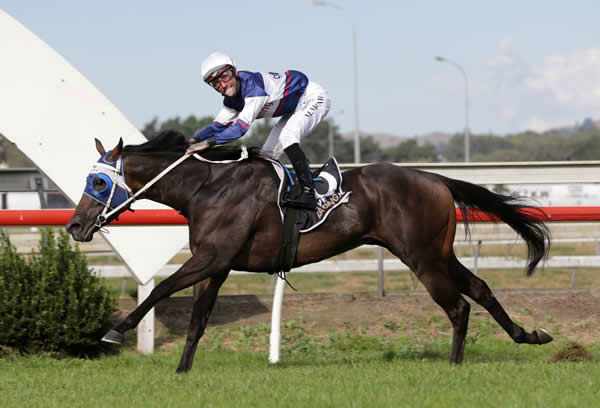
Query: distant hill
point(436, 139)
point(439, 139)
point(384, 140)
point(587, 123)
point(387, 140)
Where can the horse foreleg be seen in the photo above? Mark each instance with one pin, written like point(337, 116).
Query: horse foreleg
point(200, 266)
point(205, 295)
point(478, 290)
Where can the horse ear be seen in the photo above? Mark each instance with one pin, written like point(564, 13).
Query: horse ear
point(99, 147)
point(116, 152)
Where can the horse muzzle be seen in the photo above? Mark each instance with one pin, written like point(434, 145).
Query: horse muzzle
point(80, 233)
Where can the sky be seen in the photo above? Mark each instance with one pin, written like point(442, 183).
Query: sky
point(529, 65)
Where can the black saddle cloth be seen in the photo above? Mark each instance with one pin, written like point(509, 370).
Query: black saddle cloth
point(328, 192)
point(329, 195)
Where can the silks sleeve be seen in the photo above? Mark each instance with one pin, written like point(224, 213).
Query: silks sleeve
point(224, 119)
point(237, 129)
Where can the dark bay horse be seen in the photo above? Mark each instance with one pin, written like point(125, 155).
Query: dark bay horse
point(234, 223)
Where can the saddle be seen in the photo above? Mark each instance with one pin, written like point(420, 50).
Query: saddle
point(329, 195)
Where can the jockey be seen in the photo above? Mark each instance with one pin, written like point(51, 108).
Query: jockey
point(299, 103)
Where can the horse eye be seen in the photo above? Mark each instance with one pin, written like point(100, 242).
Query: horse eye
point(99, 184)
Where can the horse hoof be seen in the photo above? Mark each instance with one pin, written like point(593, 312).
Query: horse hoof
point(113, 336)
point(543, 336)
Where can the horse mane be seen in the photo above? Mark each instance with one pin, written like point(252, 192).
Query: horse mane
point(173, 141)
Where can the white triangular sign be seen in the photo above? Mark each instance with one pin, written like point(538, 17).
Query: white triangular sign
point(53, 113)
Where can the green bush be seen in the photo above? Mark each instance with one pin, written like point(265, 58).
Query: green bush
point(51, 302)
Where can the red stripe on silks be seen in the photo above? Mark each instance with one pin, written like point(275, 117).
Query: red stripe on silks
point(244, 125)
point(285, 93)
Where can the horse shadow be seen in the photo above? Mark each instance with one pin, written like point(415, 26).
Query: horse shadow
point(173, 314)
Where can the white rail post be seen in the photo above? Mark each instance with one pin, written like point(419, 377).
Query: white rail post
point(145, 329)
point(476, 258)
point(380, 288)
point(275, 338)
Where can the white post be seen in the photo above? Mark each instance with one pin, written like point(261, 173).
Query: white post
point(380, 288)
point(145, 329)
point(275, 338)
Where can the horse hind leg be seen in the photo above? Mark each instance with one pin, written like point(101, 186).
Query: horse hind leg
point(478, 290)
point(434, 276)
point(431, 268)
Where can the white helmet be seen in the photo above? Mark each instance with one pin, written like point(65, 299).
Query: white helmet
point(213, 63)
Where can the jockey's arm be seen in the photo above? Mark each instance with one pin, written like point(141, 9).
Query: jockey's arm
point(224, 118)
point(228, 131)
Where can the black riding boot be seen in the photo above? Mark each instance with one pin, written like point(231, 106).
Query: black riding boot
point(306, 198)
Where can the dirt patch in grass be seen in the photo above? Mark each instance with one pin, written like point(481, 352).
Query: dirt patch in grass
point(573, 351)
point(569, 314)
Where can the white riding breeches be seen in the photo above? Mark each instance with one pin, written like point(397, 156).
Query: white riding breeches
point(312, 108)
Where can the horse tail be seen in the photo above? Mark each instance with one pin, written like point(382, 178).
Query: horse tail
point(528, 224)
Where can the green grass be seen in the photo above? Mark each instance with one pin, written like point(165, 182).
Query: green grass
point(343, 370)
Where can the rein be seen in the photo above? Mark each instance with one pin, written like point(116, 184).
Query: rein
point(102, 219)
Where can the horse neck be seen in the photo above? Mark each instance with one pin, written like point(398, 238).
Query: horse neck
point(172, 188)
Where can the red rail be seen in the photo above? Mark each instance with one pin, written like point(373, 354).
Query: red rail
point(551, 214)
point(172, 217)
point(62, 217)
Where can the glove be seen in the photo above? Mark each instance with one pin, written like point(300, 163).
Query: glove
point(199, 146)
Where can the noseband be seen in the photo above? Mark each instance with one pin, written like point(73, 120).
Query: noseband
point(115, 192)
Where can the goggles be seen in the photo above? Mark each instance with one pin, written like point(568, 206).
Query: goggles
point(223, 74)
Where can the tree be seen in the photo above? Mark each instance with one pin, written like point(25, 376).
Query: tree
point(151, 129)
point(315, 145)
point(370, 151)
point(187, 126)
point(410, 151)
point(258, 133)
point(480, 145)
point(588, 149)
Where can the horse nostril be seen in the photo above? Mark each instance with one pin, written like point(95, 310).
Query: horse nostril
point(73, 227)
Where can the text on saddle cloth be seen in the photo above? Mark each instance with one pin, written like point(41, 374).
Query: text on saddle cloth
point(328, 192)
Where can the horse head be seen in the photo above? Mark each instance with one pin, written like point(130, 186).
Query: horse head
point(105, 190)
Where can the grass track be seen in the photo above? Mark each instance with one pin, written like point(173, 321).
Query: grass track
point(355, 372)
